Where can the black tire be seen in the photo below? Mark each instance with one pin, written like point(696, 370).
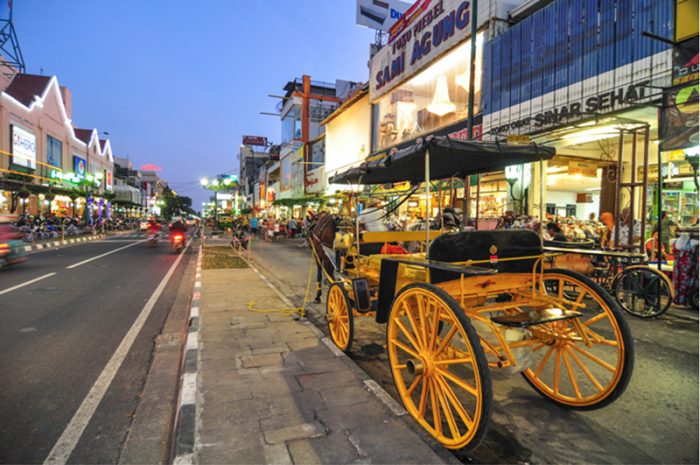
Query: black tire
point(337, 291)
point(485, 392)
point(642, 286)
point(622, 351)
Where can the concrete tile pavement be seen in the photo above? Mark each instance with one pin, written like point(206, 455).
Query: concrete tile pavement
point(269, 390)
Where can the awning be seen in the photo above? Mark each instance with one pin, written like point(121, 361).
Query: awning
point(125, 193)
point(448, 158)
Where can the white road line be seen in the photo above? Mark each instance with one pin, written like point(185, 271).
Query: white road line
point(75, 265)
point(61, 451)
point(10, 289)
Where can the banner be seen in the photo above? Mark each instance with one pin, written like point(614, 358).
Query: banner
point(679, 118)
point(23, 148)
point(685, 62)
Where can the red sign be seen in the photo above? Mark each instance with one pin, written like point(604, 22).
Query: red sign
point(254, 140)
point(402, 23)
point(151, 167)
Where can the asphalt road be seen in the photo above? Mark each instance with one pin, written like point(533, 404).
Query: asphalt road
point(58, 334)
point(655, 420)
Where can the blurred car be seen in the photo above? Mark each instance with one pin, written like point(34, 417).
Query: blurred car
point(143, 225)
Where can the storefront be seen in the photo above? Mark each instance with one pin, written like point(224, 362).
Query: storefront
point(575, 76)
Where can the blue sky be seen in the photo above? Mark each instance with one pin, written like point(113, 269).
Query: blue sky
point(178, 83)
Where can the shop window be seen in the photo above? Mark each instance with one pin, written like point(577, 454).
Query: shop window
point(54, 152)
point(318, 154)
point(291, 125)
point(432, 99)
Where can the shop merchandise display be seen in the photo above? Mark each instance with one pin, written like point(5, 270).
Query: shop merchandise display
point(685, 267)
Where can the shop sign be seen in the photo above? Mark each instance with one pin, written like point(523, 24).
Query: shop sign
point(23, 147)
point(314, 180)
point(685, 62)
point(428, 29)
point(518, 139)
point(380, 15)
point(109, 181)
point(255, 140)
point(679, 118)
point(686, 19)
point(79, 166)
point(601, 103)
point(588, 170)
point(584, 198)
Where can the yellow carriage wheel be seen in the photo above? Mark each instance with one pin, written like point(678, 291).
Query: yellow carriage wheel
point(574, 371)
point(438, 365)
point(340, 318)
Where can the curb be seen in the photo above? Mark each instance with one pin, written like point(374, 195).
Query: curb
point(186, 415)
point(60, 243)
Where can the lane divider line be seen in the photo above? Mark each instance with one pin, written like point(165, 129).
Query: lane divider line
point(75, 265)
point(62, 450)
point(32, 281)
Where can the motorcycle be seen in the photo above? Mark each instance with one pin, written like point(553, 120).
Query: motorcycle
point(177, 241)
point(153, 240)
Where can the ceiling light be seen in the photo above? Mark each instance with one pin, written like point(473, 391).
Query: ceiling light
point(441, 104)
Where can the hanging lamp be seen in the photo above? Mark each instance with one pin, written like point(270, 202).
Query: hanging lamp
point(441, 104)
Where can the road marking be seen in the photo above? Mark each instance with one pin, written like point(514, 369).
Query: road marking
point(75, 265)
point(61, 451)
point(10, 289)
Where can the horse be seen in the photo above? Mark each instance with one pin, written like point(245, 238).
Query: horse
point(321, 235)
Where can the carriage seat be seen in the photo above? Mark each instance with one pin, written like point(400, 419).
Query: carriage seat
point(485, 245)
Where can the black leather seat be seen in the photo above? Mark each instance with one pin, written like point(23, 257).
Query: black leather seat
point(485, 245)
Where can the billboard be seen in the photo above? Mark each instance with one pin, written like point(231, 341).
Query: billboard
point(79, 166)
point(679, 118)
point(434, 28)
point(255, 140)
point(380, 14)
point(23, 148)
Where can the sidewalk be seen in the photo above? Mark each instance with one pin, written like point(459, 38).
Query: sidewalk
point(274, 390)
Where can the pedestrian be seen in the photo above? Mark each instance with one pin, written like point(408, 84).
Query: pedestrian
point(372, 217)
point(666, 225)
point(254, 226)
point(625, 238)
point(555, 232)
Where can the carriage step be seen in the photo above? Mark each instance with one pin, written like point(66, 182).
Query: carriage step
point(535, 317)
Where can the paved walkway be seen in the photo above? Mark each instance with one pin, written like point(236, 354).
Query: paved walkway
point(272, 390)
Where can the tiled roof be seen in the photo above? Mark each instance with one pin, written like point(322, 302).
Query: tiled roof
point(25, 87)
point(83, 134)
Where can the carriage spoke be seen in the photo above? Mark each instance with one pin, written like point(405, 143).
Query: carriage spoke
point(445, 341)
point(572, 377)
point(405, 348)
point(454, 400)
point(557, 370)
point(446, 409)
point(436, 410)
point(597, 360)
point(423, 335)
point(457, 380)
point(408, 335)
point(411, 320)
point(436, 325)
point(540, 367)
point(595, 319)
point(414, 384)
point(423, 397)
point(586, 371)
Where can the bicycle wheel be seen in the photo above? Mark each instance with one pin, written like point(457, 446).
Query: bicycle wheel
point(643, 291)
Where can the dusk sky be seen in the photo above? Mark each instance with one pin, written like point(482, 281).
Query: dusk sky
point(177, 83)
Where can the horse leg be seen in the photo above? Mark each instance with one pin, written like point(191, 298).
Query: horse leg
point(319, 289)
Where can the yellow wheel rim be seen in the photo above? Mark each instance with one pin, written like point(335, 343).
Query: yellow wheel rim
point(564, 367)
point(434, 368)
point(338, 315)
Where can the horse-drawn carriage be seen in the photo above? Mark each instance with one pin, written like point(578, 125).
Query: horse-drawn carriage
point(470, 302)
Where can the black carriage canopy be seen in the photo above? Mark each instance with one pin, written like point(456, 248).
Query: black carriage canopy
point(448, 158)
